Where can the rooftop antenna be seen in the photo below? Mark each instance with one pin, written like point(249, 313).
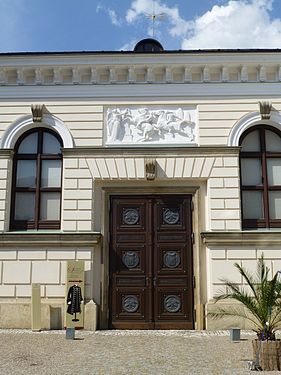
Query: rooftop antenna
point(155, 16)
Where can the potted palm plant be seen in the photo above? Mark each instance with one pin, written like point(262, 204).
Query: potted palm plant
point(260, 304)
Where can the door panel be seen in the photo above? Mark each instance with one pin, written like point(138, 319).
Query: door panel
point(173, 263)
point(151, 262)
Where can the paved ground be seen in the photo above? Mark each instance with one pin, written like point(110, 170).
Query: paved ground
point(124, 353)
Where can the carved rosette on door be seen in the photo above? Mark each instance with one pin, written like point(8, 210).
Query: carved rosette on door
point(171, 259)
point(172, 303)
point(151, 262)
point(130, 259)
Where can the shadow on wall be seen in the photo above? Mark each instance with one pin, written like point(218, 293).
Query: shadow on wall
point(160, 173)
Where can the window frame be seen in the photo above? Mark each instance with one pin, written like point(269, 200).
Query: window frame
point(37, 189)
point(264, 187)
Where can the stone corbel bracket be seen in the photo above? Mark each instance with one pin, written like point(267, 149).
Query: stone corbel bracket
point(265, 110)
point(150, 169)
point(37, 112)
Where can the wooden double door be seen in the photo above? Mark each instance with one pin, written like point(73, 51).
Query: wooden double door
point(151, 273)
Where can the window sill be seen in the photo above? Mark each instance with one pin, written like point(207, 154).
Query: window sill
point(48, 238)
point(257, 237)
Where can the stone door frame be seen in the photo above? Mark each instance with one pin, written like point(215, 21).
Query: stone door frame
point(198, 261)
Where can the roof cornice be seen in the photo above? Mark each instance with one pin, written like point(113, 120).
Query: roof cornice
point(165, 52)
point(100, 68)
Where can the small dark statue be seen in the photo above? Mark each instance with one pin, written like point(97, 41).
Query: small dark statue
point(74, 300)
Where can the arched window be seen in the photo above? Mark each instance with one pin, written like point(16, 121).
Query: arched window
point(36, 190)
point(260, 176)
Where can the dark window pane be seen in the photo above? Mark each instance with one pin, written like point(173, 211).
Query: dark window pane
point(29, 144)
point(252, 205)
point(37, 181)
point(273, 141)
point(260, 162)
point(251, 143)
point(26, 173)
point(24, 206)
point(51, 145)
point(251, 172)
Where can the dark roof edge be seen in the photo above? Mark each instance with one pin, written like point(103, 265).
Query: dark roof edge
point(194, 51)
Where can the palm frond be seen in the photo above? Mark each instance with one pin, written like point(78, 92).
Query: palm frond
point(251, 282)
point(233, 312)
point(263, 303)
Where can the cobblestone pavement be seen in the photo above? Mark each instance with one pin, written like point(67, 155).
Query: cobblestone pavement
point(124, 353)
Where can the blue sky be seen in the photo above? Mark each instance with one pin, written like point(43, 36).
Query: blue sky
point(96, 25)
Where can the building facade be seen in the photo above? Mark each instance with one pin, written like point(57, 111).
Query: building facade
point(159, 169)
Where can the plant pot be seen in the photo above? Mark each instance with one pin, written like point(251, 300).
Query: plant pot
point(267, 354)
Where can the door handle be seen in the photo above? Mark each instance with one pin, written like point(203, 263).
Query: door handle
point(154, 281)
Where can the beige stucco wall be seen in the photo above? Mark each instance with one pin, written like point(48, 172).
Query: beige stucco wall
point(219, 172)
point(22, 266)
point(85, 118)
point(221, 260)
point(213, 169)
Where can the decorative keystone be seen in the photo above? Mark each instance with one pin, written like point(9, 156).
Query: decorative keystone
point(150, 169)
point(37, 112)
point(265, 110)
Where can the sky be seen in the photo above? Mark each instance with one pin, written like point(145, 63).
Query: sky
point(112, 25)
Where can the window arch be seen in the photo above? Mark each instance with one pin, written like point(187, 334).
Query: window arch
point(260, 177)
point(36, 187)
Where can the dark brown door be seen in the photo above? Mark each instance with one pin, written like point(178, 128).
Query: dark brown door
point(151, 262)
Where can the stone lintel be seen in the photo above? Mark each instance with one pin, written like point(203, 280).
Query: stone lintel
point(242, 238)
point(6, 153)
point(10, 239)
point(158, 151)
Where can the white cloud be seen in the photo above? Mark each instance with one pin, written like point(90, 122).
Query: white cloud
point(140, 8)
point(129, 46)
point(238, 24)
point(98, 8)
point(235, 24)
point(113, 17)
point(111, 13)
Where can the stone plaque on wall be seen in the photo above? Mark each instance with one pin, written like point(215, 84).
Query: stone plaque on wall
point(151, 125)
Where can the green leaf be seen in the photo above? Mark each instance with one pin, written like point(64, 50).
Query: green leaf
point(262, 304)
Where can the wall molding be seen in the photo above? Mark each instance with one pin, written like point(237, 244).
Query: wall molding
point(249, 120)
point(256, 238)
point(14, 239)
point(118, 68)
point(24, 123)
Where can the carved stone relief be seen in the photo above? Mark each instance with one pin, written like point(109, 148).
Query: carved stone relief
point(150, 125)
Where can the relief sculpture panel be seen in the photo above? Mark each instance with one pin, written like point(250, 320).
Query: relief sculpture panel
point(147, 125)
